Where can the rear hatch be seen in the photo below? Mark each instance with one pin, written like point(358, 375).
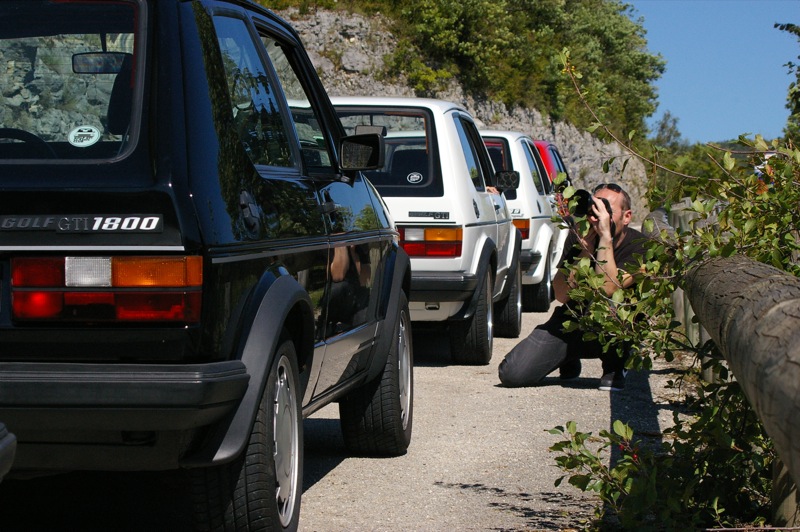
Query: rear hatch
point(411, 182)
point(89, 240)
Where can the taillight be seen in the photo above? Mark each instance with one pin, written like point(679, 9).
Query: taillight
point(107, 288)
point(524, 227)
point(431, 241)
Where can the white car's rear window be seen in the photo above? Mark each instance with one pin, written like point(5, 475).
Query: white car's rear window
point(411, 167)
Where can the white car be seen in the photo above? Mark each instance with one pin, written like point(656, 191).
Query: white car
point(437, 181)
point(532, 207)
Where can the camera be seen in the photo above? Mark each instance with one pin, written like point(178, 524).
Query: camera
point(583, 207)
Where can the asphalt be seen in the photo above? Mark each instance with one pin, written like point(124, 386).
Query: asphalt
point(479, 457)
point(478, 460)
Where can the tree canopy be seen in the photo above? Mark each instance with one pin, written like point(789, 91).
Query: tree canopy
point(509, 50)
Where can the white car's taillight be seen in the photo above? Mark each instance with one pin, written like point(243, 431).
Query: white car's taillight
point(434, 242)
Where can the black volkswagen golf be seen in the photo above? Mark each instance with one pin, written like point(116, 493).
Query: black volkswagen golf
point(190, 258)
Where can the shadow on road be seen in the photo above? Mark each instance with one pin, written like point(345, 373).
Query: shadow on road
point(431, 346)
point(324, 449)
point(96, 502)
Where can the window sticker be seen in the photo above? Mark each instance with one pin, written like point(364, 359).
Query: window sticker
point(84, 136)
point(414, 178)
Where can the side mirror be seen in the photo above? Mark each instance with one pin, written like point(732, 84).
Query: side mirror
point(507, 180)
point(362, 152)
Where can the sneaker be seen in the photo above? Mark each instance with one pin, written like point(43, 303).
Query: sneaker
point(613, 381)
point(570, 369)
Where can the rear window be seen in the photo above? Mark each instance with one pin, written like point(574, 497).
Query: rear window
point(69, 73)
point(411, 167)
point(498, 151)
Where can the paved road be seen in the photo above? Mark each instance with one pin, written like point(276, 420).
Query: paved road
point(479, 456)
point(478, 461)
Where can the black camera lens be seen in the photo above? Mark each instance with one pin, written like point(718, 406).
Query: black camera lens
point(584, 204)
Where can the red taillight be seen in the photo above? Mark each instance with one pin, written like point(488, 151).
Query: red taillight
point(438, 242)
point(524, 227)
point(37, 272)
point(107, 288)
point(159, 306)
point(37, 305)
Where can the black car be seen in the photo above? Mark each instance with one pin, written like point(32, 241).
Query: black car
point(191, 258)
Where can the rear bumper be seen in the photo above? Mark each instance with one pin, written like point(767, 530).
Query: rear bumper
point(529, 260)
point(442, 286)
point(124, 417)
point(125, 397)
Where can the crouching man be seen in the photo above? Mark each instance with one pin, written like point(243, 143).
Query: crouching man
point(611, 246)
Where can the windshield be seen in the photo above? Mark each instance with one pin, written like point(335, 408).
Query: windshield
point(68, 76)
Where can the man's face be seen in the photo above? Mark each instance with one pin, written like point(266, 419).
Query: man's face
point(619, 216)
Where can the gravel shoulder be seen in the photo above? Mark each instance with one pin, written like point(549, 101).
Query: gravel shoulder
point(479, 456)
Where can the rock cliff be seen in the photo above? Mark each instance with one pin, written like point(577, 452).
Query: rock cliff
point(348, 52)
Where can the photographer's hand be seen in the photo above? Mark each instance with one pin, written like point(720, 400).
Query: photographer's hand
point(600, 220)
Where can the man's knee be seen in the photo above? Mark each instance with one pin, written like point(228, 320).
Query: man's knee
point(509, 373)
point(531, 360)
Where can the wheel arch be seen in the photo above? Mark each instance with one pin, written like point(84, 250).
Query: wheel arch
point(486, 263)
point(545, 240)
point(397, 278)
point(515, 248)
point(265, 326)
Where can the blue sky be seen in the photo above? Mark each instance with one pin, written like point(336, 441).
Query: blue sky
point(725, 73)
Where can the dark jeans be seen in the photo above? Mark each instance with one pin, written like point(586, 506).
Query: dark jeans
point(547, 347)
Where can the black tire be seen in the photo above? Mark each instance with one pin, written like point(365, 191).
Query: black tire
point(471, 340)
point(537, 297)
point(376, 419)
point(261, 489)
point(508, 312)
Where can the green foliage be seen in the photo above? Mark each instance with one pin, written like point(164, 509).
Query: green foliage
point(715, 470)
point(424, 79)
point(509, 50)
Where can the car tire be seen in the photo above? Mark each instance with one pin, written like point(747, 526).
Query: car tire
point(508, 323)
point(261, 489)
point(376, 419)
point(537, 297)
point(471, 339)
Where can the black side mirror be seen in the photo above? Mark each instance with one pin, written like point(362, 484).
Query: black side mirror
point(362, 152)
point(507, 180)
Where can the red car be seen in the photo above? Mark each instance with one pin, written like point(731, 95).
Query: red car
point(553, 163)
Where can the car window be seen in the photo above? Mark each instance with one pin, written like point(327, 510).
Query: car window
point(313, 142)
point(471, 156)
point(68, 84)
point(498, 152)
point(255, 103)
point(411, 166)
point(533, 168)
point(559, 162)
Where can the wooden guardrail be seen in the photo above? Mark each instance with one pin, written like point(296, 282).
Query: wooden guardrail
point(752, 312)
